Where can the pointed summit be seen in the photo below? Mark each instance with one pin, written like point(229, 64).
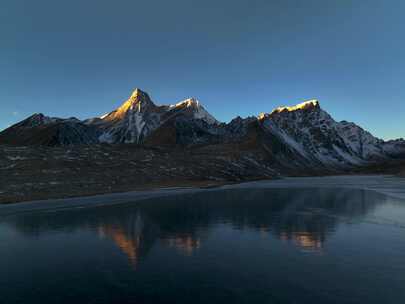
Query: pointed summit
point(36, 119)
point(139, 97)
point(138, 102)
point(139, 94)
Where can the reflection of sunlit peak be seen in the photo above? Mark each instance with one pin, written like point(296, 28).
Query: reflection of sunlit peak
point(186, 244)
point(264, 230)
point(307, 241)
point(128, 246)
point(304, 240)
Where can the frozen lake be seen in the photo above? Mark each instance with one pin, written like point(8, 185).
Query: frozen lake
point(239, 245)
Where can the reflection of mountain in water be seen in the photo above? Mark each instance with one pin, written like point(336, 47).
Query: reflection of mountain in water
point(186, 244)
point(306, 217)
point(130, 234)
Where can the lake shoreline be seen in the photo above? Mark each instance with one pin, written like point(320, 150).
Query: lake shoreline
point(392, 186)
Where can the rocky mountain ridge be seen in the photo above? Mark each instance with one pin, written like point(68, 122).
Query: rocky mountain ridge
point(300, 136)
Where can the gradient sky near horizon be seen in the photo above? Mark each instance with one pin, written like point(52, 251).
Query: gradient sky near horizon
point(83, 58)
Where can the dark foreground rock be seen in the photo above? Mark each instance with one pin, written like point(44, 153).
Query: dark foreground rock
point(30, 173)
point(40, 172)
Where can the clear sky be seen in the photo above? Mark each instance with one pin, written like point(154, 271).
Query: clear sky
point(241, 57)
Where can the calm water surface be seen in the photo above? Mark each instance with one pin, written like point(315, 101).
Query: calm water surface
point(229, 246)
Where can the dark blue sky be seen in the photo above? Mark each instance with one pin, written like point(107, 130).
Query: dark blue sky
point(84, 57)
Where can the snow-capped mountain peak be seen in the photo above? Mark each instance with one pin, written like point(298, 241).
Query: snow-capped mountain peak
point(198, 110)
point(138, 93)
point(138, 102)
point(190, 102)
point(316, 135)
point(140, 97)
point(130, 122)
point(138, 117)
point(310, 104)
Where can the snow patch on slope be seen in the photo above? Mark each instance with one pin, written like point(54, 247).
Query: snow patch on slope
point(268, 124)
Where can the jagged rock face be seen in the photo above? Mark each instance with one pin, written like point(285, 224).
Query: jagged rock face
point(361, 142)
point(192, 109)
point(131, 122)
point(186, 130)
point(138, 117)
point(195, 131)
point(39, 129)
point(238, 128)
point(395, 148)
point(66, 134)
point(35, 120)
point(316, 136)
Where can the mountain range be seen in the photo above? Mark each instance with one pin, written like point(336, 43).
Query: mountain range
point(300, 136)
